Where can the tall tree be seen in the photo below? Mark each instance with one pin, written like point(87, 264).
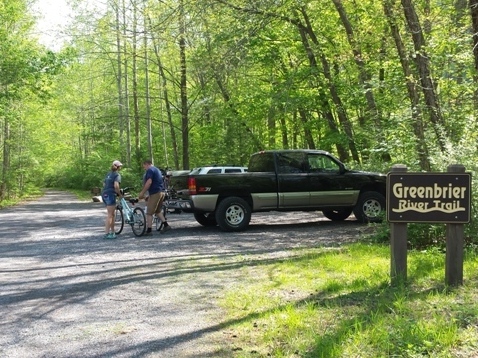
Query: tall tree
point(24, 74)
point(146, 84)
point(119, 74)
point(163, 85)
point(183, 85)
point(422, 60)
point(135, 89)
point(364, 77)
point(126, 86)
point(473, 4)
point(413, 94)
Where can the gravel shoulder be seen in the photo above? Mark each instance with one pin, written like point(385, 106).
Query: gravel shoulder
point(66, 292)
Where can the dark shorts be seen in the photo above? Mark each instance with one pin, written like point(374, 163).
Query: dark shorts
point(109, 198)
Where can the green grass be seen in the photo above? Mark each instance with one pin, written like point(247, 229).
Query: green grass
point(30, 194)
point(83, 195)
point(339, 303)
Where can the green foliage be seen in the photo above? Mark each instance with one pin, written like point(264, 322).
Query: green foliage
point(92, 173)
point(256, 79)
point(423, 235)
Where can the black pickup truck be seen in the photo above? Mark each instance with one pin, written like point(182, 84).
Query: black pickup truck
point(280, 180)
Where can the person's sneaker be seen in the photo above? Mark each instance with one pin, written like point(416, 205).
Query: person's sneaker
point(111, 235)
point(164, 229)
point(148, 233)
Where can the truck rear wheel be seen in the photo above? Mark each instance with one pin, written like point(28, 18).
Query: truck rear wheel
point(370, 207)
point(233, 214)
point(206, 219)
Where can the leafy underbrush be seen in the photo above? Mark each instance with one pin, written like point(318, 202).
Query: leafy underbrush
point(339, 303)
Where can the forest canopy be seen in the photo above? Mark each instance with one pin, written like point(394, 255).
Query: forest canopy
point(188, 83)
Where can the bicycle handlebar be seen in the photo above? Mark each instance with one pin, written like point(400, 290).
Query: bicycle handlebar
point(125, 190)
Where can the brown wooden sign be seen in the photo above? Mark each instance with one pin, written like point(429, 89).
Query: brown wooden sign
point(428, 197)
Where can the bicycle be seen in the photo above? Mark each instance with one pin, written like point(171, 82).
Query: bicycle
point(157, 222)
point(131, 216)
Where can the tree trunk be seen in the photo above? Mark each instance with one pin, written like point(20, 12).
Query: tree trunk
point(6, 160)
point(146, 84)
point(307, 133)
point(342, 151)
point(137, 131)
point(339, 107)
point(304, 31)
point(283, 127)
point(423, 64)
point(271, 126)
point(126, 89)
point(413, 94)
point(227, 99)
point(474, 23)
point(163, 84)
point(119, 77)
point(183, 86)
point(364, 76)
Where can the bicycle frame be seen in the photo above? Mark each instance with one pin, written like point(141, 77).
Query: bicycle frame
point(131, 216)
point(157, 222)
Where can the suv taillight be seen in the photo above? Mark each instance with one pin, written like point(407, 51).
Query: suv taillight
point(192, 186)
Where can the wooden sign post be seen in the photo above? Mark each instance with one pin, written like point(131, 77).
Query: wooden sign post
point(428, 198)
point(398, 243)
point(454, 245)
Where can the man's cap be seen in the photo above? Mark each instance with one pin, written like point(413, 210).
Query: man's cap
point(117, 163)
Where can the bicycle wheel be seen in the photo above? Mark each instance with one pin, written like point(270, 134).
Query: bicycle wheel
point(158, 221)
point(119, 221)
point(139, 222)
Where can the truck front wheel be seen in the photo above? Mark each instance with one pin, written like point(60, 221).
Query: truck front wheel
point(337, 215)
point(370, 207)
point(233, 214)
point(206, 219)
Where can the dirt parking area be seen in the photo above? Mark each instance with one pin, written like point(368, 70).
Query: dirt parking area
point(66, 292)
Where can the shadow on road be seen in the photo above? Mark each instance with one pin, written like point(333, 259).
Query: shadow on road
point(131, 297)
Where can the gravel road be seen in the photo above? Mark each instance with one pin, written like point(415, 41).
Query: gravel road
point(66, 292)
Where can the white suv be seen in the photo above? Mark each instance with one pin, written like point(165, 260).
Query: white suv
point(218, 170)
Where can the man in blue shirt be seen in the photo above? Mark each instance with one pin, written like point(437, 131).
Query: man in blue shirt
point(153, 184)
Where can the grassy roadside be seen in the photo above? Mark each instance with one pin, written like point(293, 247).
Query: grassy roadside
point(339, 303)
point(34, 194)
point(81, 194)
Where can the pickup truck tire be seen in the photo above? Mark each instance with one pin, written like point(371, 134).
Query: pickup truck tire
point(337, 215)
point(370, 207)
point(206, 219)
point(233, 214)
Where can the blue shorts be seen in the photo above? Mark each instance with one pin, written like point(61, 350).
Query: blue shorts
point(109, 198)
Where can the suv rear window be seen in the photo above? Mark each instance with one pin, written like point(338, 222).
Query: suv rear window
point(217, 170)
